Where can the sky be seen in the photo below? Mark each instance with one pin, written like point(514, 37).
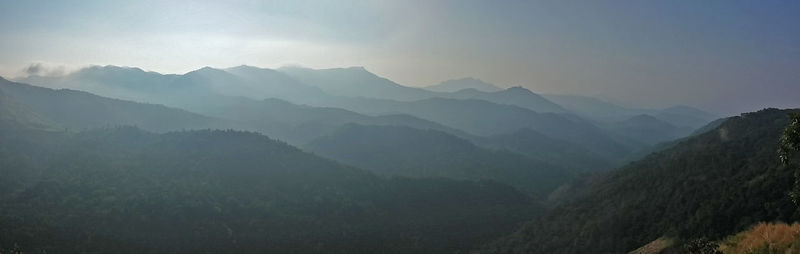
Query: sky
point(724, 56)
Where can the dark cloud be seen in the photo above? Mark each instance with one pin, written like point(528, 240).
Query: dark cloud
point(39, 69)
point(34, 69)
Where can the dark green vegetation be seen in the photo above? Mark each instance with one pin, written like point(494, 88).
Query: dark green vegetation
point(790, 140)
point(403, 151)
point(711, 185)
point(127, 190)
point(788, 153)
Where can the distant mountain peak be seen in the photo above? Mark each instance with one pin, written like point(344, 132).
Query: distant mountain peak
point(120, 73)
point(252, 70)
point(519, 89)
point(109, 68)
point(206, 70)
point(114, 67)
point(643, 117)
point(354, 82)
point(244, 66)
point(470, 79)
point(352, 70)
point(454, 85)
point(356, 70)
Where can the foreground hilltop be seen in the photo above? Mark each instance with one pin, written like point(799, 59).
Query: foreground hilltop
point(709, 186)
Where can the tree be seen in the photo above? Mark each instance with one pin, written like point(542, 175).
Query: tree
point(789, 147)
point(701, 246)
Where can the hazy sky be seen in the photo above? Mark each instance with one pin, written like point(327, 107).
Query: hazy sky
point(724, 56)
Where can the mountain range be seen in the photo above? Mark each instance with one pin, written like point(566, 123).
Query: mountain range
point(198, 92)
point(83, 111)
point(114, 189)
point(308, 86)
point(118, 158)
point(298, 104)
point(605, 112)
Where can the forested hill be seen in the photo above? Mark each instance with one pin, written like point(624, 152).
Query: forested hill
point(125, 190)
point(77, 110)
point(711, 185)
point(404, 151)
point(14, 115)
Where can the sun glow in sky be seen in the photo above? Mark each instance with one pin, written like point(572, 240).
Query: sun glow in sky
point(723, 56)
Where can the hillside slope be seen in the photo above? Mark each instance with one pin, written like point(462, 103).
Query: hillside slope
point(541, 147)
point(124, 189)
point(14, 115)
point(355, 82)
point(711, 185)
point(598, 110)
point(296, 124)
point(403, 151)
point(517, 96)
point(81, 110)
point(648, 129)
point(484, 118)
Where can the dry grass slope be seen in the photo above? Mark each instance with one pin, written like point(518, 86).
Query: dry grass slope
point(764, 238)
point(655, 247)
